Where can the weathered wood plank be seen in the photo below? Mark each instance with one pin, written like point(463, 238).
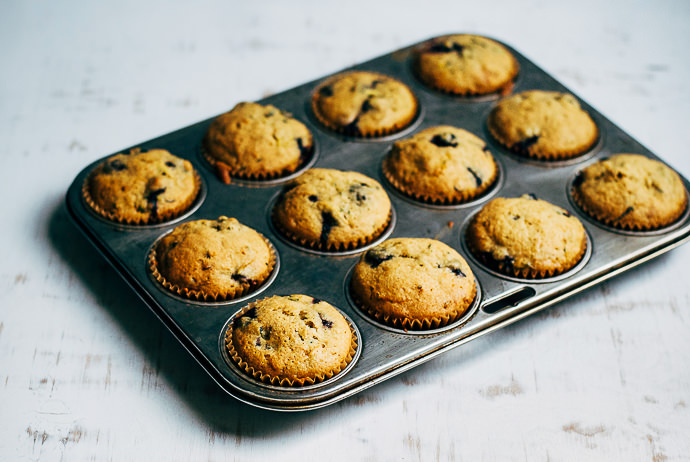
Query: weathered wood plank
point(88, 373)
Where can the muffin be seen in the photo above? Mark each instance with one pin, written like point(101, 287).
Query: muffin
point(142, 187)
point(630, 192)
point(413, 283)
point(332, 210)
point(257, 142)
point(543, 125)
point(526, 237)
point(441, 165)
point(291, 341)
point(212, 260)
point(364, 104)
point(466, 65)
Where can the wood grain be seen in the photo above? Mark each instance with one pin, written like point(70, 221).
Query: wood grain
point(88, 373)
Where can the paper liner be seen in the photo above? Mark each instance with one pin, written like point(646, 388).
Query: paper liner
point(226, 173)
point(460, 197)
point(626, 226)
point(501, 91)
point(406, 323)
point(200, 295)
point(542, 156)
point(356, 132)
point(118, 218)
point(334, 246)
point(282, 381)
point(523, 273)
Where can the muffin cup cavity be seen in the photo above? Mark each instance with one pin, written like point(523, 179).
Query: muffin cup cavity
point(505, 270)
point(354, 132)
point(460, 198)
point(331, 211)
point(417, 284)
point(285, 381)
point(525, 125)
point(472, 90)
point(161, 217)
point(505, 267)
point(335, 247)
point(256, 142)
point(245, 287)
point(629, 193)
point(615, 225)
point(353, 129)
point(422, 326)
point(469, 96)
point(561, 158)
point(227, 175)
point(410, 326)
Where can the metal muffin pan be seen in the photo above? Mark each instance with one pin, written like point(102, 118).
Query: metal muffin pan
point(383, 351)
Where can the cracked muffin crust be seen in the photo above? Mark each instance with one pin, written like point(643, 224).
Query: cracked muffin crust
point(142, 187)
point(413, 283)
point(526, 237)
point(544, 125)
point(466, 65)
point(330, 209)
point(442, 165)
point(630, 191)
point(212, 260)
point(257, 142)
point(291, 340)
point(364, 104)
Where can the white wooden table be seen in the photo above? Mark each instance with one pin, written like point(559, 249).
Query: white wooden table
point(88, 373)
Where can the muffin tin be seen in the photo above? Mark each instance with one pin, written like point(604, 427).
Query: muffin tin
point(384, 351)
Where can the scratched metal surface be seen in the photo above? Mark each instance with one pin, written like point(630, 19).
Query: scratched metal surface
point(88, 373)
point(384, 352)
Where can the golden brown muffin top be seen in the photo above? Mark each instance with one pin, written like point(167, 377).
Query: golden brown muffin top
point(142, 187)
point(219, 257)
point(442, 164)
point(545, 125)
point(413, 282)
point(466, 65)
point(631, 191)
point(526, 236)
point(258, 141)
point(332, 209)
point(364, 104)
point(291, 337)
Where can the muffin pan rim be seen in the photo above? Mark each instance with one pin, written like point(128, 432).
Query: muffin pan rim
point(104, 236)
